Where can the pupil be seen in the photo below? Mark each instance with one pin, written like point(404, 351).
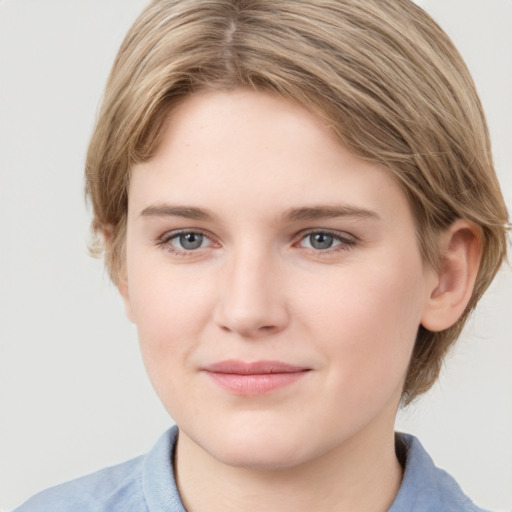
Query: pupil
point(321, 241)
point(191, 240)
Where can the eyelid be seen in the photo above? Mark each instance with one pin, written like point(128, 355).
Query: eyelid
point(347, 240)
point(169, 235)
point(164, 240)
point(343, 236)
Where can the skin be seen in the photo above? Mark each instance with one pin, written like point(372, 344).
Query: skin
point(266, 173)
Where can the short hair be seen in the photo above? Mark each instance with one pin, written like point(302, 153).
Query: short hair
point(381, 73)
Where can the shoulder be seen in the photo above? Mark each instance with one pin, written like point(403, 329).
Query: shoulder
point(113, 489)
point(143, 484)
point(425, 487)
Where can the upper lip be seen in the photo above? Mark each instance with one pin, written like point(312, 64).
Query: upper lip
point(253, 368)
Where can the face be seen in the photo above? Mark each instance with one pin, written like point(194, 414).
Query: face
point(274, 279)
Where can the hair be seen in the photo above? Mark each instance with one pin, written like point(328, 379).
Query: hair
point(382, 74)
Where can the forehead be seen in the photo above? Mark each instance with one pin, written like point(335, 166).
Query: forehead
point(251, 151)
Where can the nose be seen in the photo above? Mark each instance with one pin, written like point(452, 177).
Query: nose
point(252, 302)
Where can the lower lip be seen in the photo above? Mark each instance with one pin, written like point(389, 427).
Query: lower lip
point(258, 384)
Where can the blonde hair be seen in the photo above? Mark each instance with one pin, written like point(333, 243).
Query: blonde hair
point(382, 73)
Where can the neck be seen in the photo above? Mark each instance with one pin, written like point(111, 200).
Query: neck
point(363, 474)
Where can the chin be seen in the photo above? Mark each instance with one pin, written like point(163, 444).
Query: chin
point(260, 458)
point(257, 449)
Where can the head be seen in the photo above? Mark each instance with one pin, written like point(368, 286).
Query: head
point(381, 74)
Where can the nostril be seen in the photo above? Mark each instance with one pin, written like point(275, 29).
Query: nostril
point(248, 331)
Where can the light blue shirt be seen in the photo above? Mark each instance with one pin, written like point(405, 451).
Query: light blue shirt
point(146, 484)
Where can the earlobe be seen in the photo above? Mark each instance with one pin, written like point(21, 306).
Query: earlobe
point(451, 290)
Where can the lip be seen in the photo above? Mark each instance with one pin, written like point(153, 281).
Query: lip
point(254, 378)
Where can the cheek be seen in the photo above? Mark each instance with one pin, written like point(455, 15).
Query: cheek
point(367, 322)
point(167, 321)
point(165, 300)
point(169, 312)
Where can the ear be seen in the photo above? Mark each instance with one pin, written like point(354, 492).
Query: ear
point(452, 284)
point(118, 270)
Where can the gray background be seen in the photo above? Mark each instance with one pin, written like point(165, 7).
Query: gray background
point(73, 393)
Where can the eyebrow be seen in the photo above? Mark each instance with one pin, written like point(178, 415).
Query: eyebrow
point(328, 212)
point(167, 210)
point(290, 215)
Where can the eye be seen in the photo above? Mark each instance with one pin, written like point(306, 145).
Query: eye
point(325, 240)
point(320, 241)
point(190, 241)
point(185, 241)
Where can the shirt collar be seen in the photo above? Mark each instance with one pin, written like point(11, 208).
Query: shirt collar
point(424, 488)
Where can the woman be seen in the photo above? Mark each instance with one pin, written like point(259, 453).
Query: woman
point(297, 203)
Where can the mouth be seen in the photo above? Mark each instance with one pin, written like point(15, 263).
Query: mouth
point(254, 378)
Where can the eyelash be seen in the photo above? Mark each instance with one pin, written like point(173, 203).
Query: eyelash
point(346, 241)
point(165, 241)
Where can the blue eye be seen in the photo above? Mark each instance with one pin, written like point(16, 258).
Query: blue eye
point(190, 241)
point(184, 241)
point(321, 241)
point(325, 240)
